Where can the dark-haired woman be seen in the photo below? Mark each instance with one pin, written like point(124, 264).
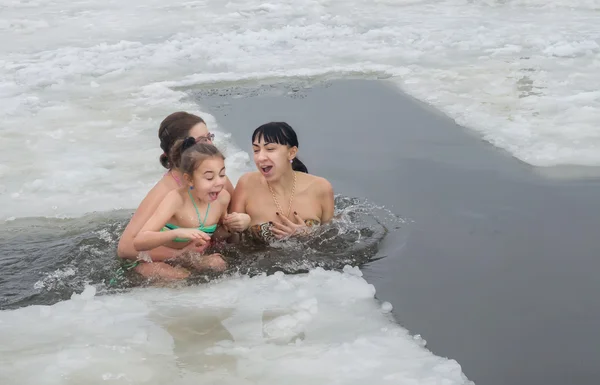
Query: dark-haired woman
point(175, 127)
point(282, 199)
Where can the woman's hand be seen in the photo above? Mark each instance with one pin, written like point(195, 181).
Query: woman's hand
point(285, 228)
point(237, 222)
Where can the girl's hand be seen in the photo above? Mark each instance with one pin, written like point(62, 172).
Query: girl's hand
point(236, 222)
point(284, 228)
point(196, 236)
point(195, 247)
point(190, 253)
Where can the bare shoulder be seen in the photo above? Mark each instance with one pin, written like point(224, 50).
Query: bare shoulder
point(324, 187)
point(155, 197)
point(319, 185)
point(175, 197)
point(160, 190)
point(224, 197)
point(248, 179)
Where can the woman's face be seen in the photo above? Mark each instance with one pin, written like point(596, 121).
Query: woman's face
point(272, 159)
point(201, 134)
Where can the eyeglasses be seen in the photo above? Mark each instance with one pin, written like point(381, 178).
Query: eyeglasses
point(205, 138)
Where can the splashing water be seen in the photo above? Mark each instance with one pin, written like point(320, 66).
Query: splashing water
point(237, 328)
point(49, 259)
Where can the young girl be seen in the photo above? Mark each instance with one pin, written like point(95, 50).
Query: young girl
point(190, 214)
point(174, 128)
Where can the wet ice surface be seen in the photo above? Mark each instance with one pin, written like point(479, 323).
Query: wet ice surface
point(320, 327)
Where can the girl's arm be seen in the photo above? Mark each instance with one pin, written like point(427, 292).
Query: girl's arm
point(238, 220)
point(150, 235)
point(162, 253)
point(222, 233)
point(126, 249)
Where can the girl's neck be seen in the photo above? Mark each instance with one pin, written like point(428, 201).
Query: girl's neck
point(195, 199)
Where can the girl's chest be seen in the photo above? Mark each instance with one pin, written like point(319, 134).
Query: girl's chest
point(191, 217)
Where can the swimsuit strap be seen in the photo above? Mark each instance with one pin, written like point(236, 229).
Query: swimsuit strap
point(174, 177)
point(200, 224)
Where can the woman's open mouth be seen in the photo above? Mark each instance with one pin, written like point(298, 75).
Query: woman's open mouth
point(265, 170)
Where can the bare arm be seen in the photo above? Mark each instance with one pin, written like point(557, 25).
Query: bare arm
point(150, 235)
point(238, 199)
point(327, 202)
point(238, 220)
point(229, 188)
point(162, 253)
point(126, 248)
point(222, 233)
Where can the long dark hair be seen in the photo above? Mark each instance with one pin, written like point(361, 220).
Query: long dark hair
point(280, 133)
point(175, 127)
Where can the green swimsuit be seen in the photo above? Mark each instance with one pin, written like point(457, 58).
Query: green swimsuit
point(125, 266)
point(208, 230)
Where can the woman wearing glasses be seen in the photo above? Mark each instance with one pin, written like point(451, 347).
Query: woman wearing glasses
point(175, 127)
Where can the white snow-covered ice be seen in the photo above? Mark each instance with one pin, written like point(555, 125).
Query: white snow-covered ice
point(318, 328)
point(84, 84)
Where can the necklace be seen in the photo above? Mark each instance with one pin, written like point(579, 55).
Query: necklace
point(291, 197)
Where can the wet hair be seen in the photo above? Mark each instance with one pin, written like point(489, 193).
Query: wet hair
point(192, 154)
point(280, 133)
point(175, 127)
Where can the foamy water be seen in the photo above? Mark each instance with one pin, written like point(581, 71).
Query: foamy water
point(84, 85)
point(319, 328)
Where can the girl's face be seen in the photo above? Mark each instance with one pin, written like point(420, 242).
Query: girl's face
point(201, 134)
point(272, 159)
point(209, 179)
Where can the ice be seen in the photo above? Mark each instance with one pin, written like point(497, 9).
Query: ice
point(386, 307)
point(88, 293)
point(84, 85)
point(318, 328)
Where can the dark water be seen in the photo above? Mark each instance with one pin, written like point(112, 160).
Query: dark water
point(500, 269)
point(47, 260)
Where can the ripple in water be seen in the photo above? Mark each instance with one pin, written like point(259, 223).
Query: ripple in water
point(352, 239)
point(47, 260)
